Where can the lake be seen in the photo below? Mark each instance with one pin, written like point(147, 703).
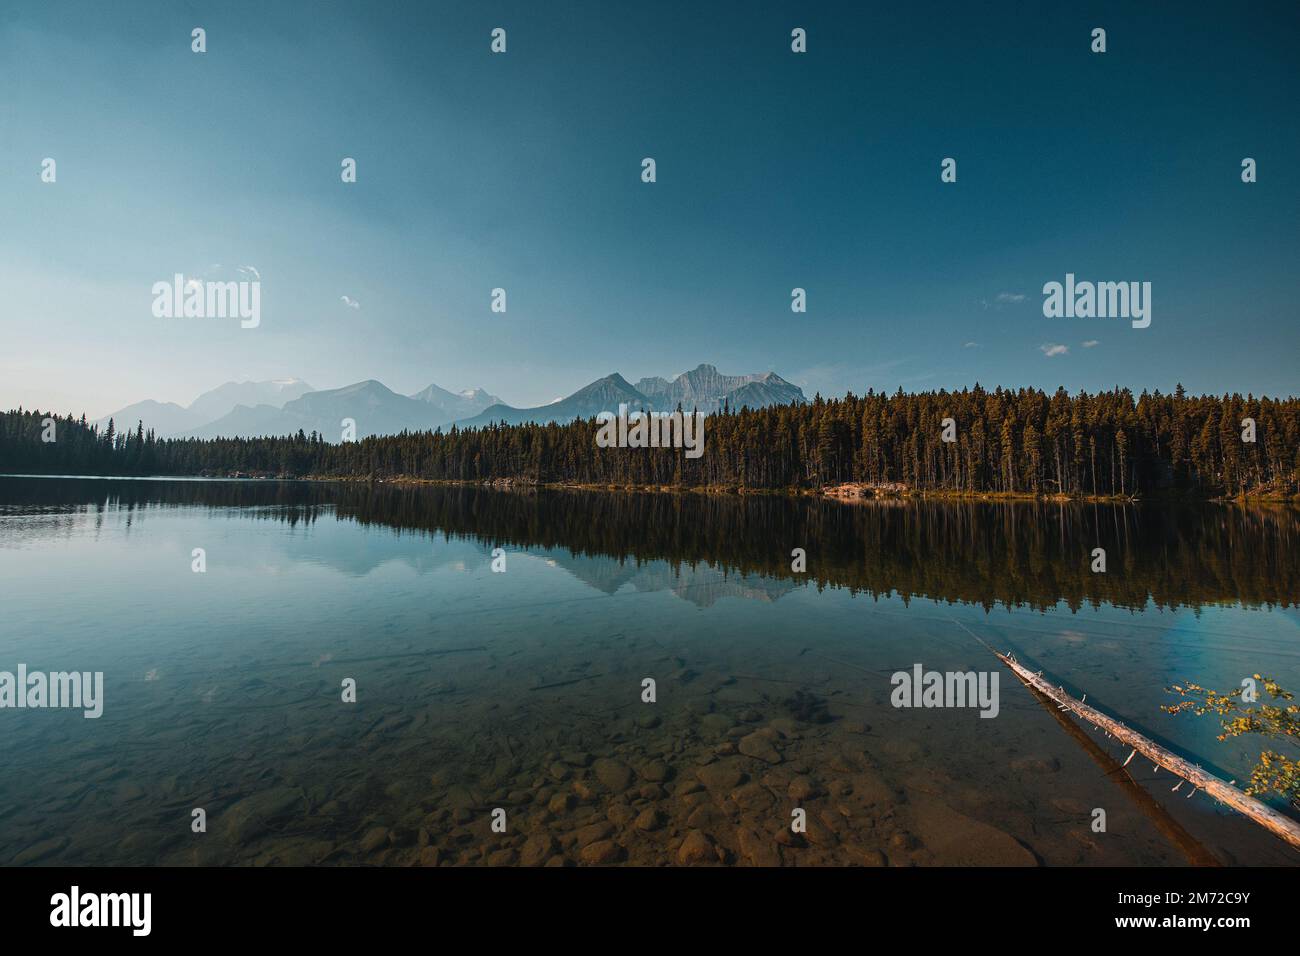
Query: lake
point(515, 697)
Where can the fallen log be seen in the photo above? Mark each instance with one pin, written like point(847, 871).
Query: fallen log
point(1150, 807)
point(1279, 825)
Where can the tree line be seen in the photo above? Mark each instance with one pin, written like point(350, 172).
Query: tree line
point(1022, 441)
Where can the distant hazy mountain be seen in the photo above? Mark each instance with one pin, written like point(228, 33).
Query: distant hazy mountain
point(772, 389)
point(168, 418)
point(245, 421)
point(165, 418)
point(449, 406)
point(219, 401)
point(602, 395)
point(703, 389)
point(376, 409)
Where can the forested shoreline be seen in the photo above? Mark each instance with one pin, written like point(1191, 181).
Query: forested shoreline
point(1021, 442)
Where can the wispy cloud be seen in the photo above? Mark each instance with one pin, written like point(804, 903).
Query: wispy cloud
point(1091, 343)
point(350, 302)
point(1052, 350)
point(972, 345)
point(1001, 299)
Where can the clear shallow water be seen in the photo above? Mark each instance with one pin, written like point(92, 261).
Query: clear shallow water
point(521, 690)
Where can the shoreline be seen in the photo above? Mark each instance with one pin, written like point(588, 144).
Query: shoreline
point(846, 492)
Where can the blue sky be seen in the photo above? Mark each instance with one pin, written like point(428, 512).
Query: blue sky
point(522, 171)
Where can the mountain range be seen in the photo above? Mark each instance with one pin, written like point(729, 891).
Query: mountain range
point(376, 409)
point(168, 418)
point(250, 409)
point(702, 389)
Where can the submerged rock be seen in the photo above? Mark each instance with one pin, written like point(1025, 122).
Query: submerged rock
point(722, 775)
point(537, 849)
point(697, 848)
point(656, 771)
point(374, 839)
point(760, 746)
point(602, 851)
point(803, 788)
point(649, 820)
point(40, 850)
point(955, 839)
point(706, 815)
point(613, 774)
point(759, 850)
point(253, 815)
point(595, 832)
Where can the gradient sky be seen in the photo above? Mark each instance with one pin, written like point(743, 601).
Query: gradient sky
point(522, 170)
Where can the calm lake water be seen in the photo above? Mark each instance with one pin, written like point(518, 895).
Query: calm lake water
point(521, 690)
